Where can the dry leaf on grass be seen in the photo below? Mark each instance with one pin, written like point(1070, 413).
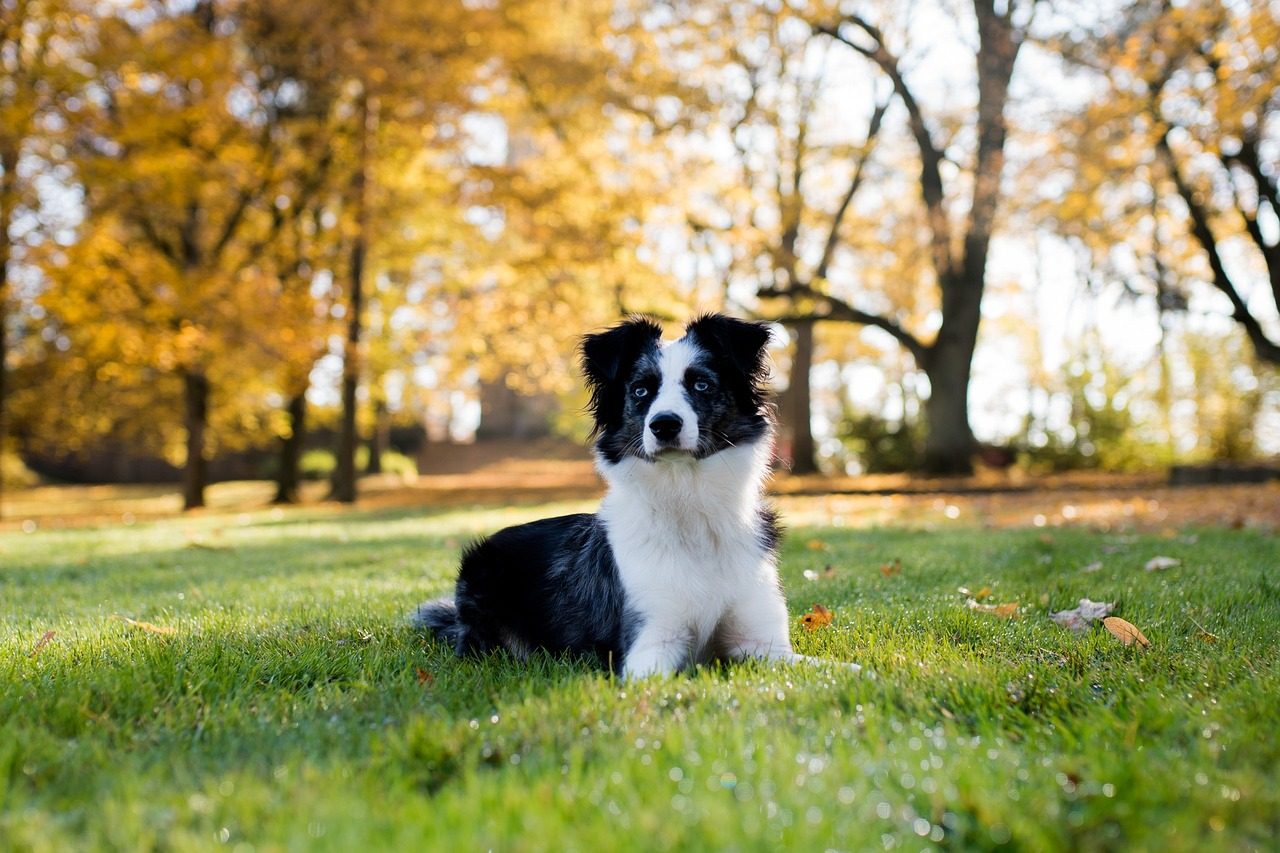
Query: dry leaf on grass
point(819, 617)
point(1159, 564)
point(1007, 611)
point(425, 677)
point(42, 642)
point(150, 627)
point(1125, 632)
point(818, 545)
point(985, 592)
point(891, 568)
point(1078, 618)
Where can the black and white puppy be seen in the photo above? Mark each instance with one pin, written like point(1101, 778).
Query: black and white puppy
point(678, 566)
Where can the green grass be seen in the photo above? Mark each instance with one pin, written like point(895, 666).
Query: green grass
point(293, 709)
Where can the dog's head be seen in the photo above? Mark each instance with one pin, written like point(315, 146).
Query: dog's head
point(693, 397)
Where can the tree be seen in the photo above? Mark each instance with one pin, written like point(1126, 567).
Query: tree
point(175, 157)
point(293, 48)
point(566, 174)
point(771, 173)
point(407, 68)
point(958, 255)
point(36, 38)
point(1176, 140)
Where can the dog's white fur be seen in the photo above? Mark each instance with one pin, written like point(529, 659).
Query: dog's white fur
point(684, 536)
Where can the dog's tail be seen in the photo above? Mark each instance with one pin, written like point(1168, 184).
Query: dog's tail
point(440, 617)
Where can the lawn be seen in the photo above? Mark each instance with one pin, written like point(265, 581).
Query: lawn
point(271, 697)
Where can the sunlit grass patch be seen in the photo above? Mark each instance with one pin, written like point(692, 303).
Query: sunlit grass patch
point(292, 707)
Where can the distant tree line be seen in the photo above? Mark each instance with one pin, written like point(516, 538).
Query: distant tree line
point(208, 210)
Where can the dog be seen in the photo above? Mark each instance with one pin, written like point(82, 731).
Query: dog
point(679, 565)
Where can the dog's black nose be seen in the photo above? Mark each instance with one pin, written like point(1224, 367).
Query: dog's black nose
point(665, 426)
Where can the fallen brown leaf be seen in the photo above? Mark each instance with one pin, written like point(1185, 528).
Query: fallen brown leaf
point(891, 568)
point(425, 677)
point(150, 627)
point(1006, 611)
point(818, 618)
point(817, 545)
point(1125, 632)
point(42, 642)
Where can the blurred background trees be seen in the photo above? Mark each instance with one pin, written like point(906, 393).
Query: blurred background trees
point(234, 233)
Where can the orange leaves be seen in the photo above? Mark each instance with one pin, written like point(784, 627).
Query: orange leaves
point(817, 618)
point(426, 678)
point(1124, 631)
point(891, 568)
point(1004, 611)
point(974, 601)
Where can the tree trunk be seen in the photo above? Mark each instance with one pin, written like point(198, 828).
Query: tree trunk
point(196, 416)
point(289, 477)
point(344, 472)
point(799, 408)
point(380, 441)
point(949, 445)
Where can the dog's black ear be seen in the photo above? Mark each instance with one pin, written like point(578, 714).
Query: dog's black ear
point(605, 355)
point(740, 343)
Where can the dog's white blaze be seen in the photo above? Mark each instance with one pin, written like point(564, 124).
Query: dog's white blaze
point(674, 360)
point(684, 536)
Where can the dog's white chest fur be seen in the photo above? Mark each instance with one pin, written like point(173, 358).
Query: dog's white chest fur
point(685, 535)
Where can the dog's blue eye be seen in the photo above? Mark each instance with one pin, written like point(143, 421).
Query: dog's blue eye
point(640, 391)
point(702, 386)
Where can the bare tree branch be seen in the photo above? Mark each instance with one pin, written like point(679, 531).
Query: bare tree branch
point(1270, 251)
point(1249, 158)
point(930, 156)
point(1266, 348)
point(833, 308)
point(833, 236)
